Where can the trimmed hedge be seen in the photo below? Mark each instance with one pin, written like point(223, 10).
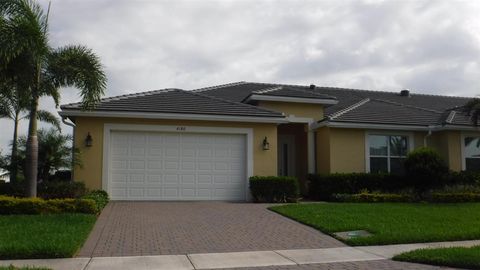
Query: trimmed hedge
point(274, 189)
point(464, 178)
point(9, 189)
point(323, 186)
point(100, 197)
point(373, 197)
point(35, 206)
point(457, 197)
point(61, 190)
point(425, 169)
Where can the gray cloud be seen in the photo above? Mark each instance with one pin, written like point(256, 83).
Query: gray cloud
point(427, 46)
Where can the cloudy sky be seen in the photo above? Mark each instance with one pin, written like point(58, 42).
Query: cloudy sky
point(427, 46)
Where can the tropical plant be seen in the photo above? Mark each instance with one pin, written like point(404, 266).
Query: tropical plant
point(425, 169)
point(472, 109)
point(24, 42)
point(12, 106)
point(54, 152)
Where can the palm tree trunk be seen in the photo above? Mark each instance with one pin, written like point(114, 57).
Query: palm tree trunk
point(32, 151)
point(14, 158)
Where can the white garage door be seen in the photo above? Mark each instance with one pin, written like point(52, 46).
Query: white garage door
point(176, 166)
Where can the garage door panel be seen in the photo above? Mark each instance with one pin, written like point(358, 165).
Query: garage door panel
point(174, 166)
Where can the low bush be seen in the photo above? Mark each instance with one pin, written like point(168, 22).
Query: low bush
point(456, 197)
point(61, 176)
point(373, 197)
point(100, 197)
point(35, 206)
point(60, 190)
point(323, 186)
point(463, 178)
point(425, 169)
point(9, 189)
point(274, 189)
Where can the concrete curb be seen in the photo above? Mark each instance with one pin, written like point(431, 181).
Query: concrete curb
point(236, 259)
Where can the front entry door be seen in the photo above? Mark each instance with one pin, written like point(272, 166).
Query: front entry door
point(286, 155)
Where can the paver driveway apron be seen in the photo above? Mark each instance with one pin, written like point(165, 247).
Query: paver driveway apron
point(157, 228)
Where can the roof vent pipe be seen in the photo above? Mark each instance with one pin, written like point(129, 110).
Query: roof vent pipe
point(405, 93)
point(312, 86)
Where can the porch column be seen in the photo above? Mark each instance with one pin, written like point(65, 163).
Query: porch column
point(311, 151)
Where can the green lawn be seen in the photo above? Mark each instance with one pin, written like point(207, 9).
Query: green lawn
point(43, 236)
point(453, 257)
point(390, 223)
point(11, 267)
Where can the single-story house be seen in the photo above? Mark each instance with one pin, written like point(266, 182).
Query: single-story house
point(204, 144)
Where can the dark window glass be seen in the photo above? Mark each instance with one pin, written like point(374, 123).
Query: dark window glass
point(378, 145)
point(378, 164)
point(398, 146)
point(472, 164)
point(396, 165)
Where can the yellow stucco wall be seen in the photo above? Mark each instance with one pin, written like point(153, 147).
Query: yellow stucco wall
point(323, 150)
point(419, 139)
point(448, 144)
point(347, 150)
point(340, 150)
point(314, 111)
point(264, 162)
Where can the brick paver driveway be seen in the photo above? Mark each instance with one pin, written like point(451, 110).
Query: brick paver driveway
point(154, 228)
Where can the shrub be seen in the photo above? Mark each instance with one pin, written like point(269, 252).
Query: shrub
point(61, 176)
point(35, 206)
point(59, 190)
point(456, 197)
point(274, 188)
point(323, 186)
point(100, 197)
point(9, 189)
point(464, 178)
point(373, 197)
point(425, 169)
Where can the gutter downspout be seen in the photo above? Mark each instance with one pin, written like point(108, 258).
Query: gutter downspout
point(430, 130)
point(64, 120)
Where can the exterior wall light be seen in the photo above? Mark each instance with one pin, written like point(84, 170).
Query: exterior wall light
point(88, 140)
point(266, 144)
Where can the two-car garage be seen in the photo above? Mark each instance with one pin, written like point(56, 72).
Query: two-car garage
point(175, 165)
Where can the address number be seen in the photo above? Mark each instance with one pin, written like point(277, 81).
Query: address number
point(181, 128)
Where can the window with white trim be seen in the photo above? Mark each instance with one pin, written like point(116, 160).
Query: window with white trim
point(387, 152)
point(472, 153)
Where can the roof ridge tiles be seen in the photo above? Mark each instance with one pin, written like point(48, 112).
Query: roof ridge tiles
point(217, 86)
point(231, 102)
point(406, 105)
point(358, 89)
point(267, 90)
point(349, 108)
point(450, 117)
point(125, 96)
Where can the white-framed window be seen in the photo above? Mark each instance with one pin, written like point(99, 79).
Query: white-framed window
point(471, 152)
point(387, 152)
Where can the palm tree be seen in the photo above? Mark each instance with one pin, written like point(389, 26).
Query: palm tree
point(472, 109)
point(54, 152)
point(24, 41)
point(11, 106)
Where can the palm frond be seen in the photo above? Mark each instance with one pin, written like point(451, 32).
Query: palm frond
point(23, 28)
point(6, 108)
point(48, 117)
point(79, 67)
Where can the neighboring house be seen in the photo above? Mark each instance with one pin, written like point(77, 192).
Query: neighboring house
point(203, 144)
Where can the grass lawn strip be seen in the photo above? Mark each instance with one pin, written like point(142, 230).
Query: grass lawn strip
point(43, 236)
point(11, 267)
point(390, 223)
point(453, 257)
